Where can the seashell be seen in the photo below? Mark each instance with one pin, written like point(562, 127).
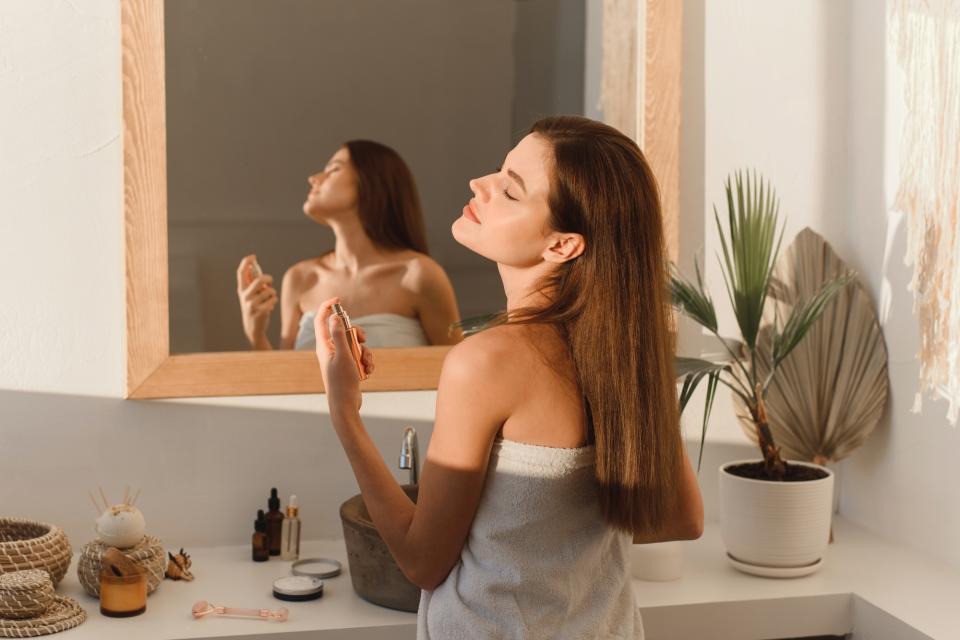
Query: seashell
point(178, 566)
point(121, 526)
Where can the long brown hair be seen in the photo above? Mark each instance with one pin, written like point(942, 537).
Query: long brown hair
point(612, 306)
point(388, 200)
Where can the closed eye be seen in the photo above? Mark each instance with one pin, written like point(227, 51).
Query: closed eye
point(509, 197)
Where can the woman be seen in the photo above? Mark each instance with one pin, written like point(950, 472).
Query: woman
point(557, 440)
point(379, 264)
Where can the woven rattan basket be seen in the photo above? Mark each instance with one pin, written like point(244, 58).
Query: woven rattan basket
point(27, 544)
point(64, 613)
point(148, 553)
point(25, 594)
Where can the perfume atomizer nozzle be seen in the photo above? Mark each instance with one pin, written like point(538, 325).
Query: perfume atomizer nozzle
point(342, 313)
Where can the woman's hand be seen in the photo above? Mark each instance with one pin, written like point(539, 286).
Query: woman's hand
point(341, 380)
point(257, 300)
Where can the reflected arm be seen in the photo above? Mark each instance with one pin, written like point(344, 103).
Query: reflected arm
point(290, 313)
point(436, 303)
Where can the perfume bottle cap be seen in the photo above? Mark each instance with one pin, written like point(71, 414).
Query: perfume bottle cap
point(274, 501)
point(292, 507)
point(260, 524)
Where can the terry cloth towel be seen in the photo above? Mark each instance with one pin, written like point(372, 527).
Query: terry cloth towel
point(540, 561)
point(381, 329)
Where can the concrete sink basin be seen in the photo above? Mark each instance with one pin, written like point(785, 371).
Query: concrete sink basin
point(375, 575)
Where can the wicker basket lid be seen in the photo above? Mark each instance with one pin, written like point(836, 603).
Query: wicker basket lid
point(27, 580)
point(29, 607)
point(64, 613)
point(25, 594)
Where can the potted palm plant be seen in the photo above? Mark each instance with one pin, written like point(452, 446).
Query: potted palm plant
point(775, 514)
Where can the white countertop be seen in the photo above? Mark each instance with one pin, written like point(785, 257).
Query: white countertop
point(864, 583)
point(228, 576)
point(864, 580)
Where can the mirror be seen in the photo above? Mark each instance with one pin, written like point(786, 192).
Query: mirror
point(261, 95)
point(230, 105)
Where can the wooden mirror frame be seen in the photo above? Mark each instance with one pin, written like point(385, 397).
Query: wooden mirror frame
point(152, 372)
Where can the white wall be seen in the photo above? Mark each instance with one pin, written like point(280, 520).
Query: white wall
point(901, 484)
point(764, 89)
point(775, 100)
point(203, 469)
point(61, 197)
point(806, 93)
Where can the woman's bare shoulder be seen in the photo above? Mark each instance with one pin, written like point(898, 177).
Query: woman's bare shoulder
point(307, 270)
point(422, 273)
point(482, 368)
point(501, 355)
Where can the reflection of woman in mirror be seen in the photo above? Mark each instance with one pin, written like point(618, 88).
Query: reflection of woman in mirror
point(379, 266)
point(557, 440)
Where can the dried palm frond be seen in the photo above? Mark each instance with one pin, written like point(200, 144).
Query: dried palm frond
point(830, 390)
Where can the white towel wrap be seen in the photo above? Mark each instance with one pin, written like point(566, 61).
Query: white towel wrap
point(539, 561)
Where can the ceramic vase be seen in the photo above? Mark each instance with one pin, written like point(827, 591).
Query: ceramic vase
point(775, 529)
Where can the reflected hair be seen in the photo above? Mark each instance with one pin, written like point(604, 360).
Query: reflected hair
point(388, 201)
point(611, 305)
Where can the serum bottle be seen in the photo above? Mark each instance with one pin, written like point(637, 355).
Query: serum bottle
point(274, 523)
point(261, 552)
point(290, 533)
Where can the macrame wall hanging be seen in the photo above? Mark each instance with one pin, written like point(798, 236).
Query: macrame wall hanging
point(925, 36)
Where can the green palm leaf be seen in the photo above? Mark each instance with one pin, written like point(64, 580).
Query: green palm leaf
point(749, 253)
point(692, 298)
point(693, 371)
point(476, 324)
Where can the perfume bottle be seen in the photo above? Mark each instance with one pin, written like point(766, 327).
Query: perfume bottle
point(274, 523)
point(261, 552)
point(290, 532)
point(353, 338)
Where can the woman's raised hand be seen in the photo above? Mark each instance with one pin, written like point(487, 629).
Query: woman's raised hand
point(257, 300)
point(341, 380)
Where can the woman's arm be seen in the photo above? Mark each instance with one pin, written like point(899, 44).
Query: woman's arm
point(291, 288)
point(473, 401)
point(686, 523)
point(257, 299)
point(436, 302)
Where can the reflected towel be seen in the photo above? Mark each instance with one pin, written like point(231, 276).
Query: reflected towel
point(381, 329)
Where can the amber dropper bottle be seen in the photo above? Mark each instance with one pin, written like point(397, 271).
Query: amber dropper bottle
point(261, 552)
point(274, 523)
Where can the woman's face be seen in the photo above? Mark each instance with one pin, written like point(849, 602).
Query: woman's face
point(506, 220)
point(334, 190)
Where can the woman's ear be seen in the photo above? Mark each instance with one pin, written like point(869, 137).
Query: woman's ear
point(564, 247)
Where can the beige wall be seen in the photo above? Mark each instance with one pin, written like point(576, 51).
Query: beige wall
point(259, 95)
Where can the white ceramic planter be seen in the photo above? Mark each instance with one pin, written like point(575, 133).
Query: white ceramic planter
point(775, 529)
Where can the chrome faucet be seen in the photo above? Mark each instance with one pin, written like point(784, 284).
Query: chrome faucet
point(410, 454)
